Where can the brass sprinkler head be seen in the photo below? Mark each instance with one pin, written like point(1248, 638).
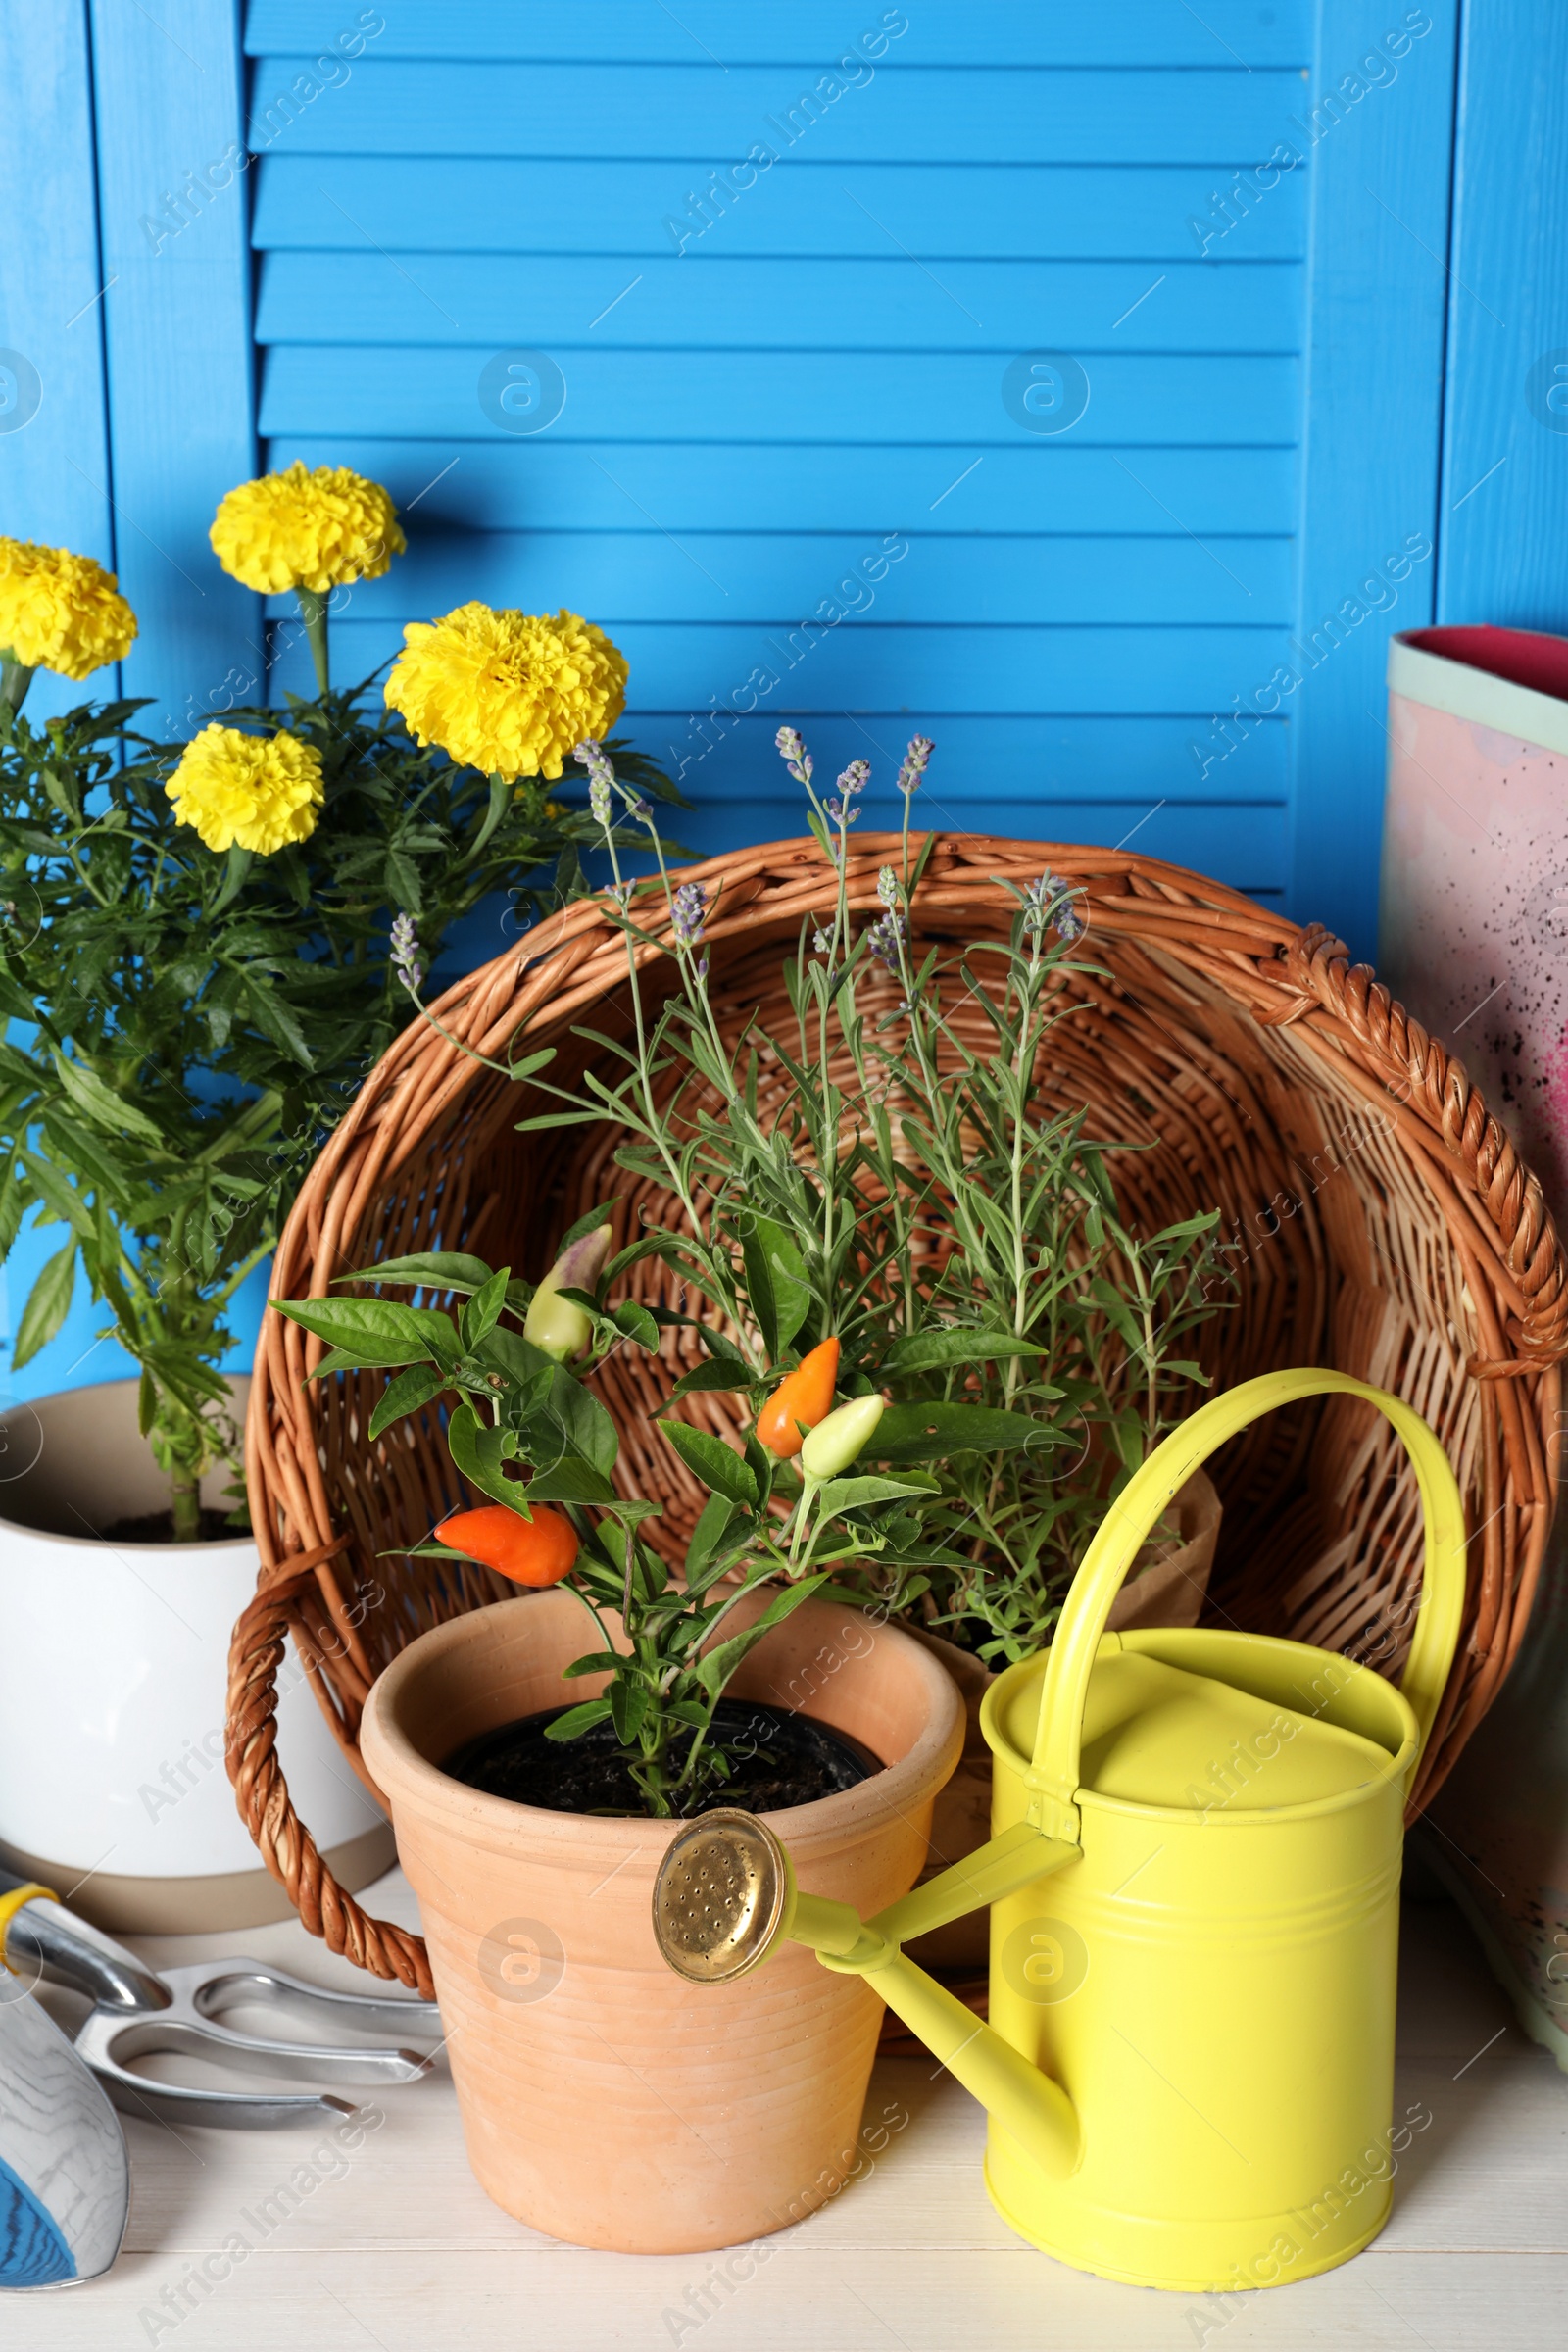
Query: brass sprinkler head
point(721, 1896)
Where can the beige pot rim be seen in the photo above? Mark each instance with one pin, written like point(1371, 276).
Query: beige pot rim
point(411, 1780)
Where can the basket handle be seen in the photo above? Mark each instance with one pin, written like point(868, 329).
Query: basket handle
point(285, 1844)
point(1134, 1513)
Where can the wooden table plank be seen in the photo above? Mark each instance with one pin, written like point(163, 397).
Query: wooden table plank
point(392, 2243)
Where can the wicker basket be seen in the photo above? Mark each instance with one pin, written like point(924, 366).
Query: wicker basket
point(1381, 1222)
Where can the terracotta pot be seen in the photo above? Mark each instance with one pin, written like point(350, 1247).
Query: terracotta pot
point(1169, 1590)
point(605, 2100)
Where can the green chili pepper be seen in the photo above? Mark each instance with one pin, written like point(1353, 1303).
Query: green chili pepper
point(556, 1325)
point(833, 1443)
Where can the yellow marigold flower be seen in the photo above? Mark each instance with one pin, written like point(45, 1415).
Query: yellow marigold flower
point(509, 693)
point(258, 791)
point(60, 612)
point(307, 530)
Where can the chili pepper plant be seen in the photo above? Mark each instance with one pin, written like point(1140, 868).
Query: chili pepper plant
point(946, 1349)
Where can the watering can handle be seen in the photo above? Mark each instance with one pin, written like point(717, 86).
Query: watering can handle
point(1135, 1512)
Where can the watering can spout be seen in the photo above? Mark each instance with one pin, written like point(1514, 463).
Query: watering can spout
point(726, 1897)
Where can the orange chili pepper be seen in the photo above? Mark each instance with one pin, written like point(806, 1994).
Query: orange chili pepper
point(531, 1552)
point(802, 1399)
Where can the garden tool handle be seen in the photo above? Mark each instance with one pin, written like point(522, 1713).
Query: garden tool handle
point(1055, 1777)
point(39, 1935)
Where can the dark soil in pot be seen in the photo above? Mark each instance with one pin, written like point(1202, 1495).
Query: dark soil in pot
point(158, 1527)
point(777, 1759)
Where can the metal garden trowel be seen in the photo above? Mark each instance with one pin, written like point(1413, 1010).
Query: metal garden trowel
point(65, 2182)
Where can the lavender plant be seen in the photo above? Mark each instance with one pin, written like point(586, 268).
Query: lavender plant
point(962, 1242)
point(907, 1219)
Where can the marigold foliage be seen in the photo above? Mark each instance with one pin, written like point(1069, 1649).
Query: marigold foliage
point(300, 529)
point(255, 791)
point(60, 612)
point(512, 694)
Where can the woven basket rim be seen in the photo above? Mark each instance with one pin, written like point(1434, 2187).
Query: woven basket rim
point(1273, 972)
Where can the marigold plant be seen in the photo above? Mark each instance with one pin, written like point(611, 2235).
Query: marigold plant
point(58, 612)
point(194, 940)
point(510, 693)
point(257, 791)
point(310, 531)
point(301, 530)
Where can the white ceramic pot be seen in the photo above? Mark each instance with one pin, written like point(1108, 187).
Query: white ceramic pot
point(113, 1664)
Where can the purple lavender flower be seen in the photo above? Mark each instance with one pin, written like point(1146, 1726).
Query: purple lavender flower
point(404, 947)
point(792, 750)
point(885, 939)
point(1049, 901)
point(852, 783)
point(601, 776)
point(688, 908)
point(915, 760)
point(1038, 901)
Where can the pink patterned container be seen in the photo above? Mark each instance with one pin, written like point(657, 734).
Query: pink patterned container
point(1474, 930)
point(1474, 943)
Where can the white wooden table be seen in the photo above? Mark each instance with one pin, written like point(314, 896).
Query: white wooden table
point(397, 2247)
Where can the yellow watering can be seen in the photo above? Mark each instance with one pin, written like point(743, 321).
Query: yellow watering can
point(1194, 1884)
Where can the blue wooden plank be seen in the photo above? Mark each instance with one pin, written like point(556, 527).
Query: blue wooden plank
point(1115, 761)
point(955, 401)
point(160, 112)
point(360, 294)
point(1504, 519)
point(178, 333)
point(861, 665)
point(1233, 32)
point(455, 203)
point(54, 464)
point(1030, 114)
point(1119, 772)
point(1381, 174)
point(1247, 848)
point(1109, 753)
point(714, 576)
point(551, 485)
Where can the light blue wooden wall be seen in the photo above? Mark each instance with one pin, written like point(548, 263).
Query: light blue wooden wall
point(1503, 539)
point(317, 225)
point(1095, 626)
point(54, 455)
point(819, 371)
